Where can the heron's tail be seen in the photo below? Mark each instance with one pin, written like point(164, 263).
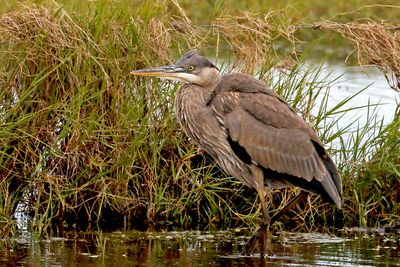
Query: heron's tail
point(333, 184)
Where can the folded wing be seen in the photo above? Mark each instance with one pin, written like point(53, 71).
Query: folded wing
point(260, 123)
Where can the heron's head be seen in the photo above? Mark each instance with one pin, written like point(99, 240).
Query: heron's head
point(190, 68)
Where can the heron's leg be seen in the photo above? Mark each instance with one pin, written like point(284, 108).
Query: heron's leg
point(289, 206)
point(266, 221)
point(262, 233)
point(252, 242)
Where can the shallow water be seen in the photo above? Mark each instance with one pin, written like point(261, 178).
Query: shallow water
point(349, 80)
point(133, 248)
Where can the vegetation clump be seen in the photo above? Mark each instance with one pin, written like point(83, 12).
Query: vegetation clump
point(83, 144)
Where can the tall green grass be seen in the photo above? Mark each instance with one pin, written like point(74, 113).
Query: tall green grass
point(84, 145)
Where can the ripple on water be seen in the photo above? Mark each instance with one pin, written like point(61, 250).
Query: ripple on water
point(194, 248)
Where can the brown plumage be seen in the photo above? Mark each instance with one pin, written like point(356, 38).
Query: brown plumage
point(274, 136)
point(250, 130)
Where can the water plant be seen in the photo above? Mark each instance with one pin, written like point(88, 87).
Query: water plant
point(82, 144)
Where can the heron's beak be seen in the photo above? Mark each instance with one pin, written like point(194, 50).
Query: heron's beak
point(169, 72)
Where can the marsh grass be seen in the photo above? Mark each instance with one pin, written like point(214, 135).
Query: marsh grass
point(84, 146)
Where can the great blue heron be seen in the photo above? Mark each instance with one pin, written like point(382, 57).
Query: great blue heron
point(251, 132)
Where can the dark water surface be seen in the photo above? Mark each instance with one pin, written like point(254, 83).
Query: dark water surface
point(134, 248)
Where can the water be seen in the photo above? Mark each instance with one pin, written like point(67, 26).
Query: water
point(193, 248)
point(375, 94)
point(351, 80)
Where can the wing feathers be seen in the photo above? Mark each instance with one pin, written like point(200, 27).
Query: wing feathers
point(269, 146)
point(272, 134)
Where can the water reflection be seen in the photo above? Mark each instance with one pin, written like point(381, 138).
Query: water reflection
point(135, 248)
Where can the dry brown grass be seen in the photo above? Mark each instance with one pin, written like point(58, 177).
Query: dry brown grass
point(376, 43)
point(253, 38)
point(250, 37)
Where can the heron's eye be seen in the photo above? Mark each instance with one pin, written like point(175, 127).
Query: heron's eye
point(191, 68)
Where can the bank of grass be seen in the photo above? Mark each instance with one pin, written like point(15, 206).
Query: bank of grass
point(84, 145)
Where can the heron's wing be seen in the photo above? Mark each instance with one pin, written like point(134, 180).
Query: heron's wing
point(260, 123)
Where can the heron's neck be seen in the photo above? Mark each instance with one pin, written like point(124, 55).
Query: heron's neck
point(193, 98)
point(210, 77)
point(191, 109)
point(193, 95)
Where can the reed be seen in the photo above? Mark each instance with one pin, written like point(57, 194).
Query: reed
point(84, 145)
